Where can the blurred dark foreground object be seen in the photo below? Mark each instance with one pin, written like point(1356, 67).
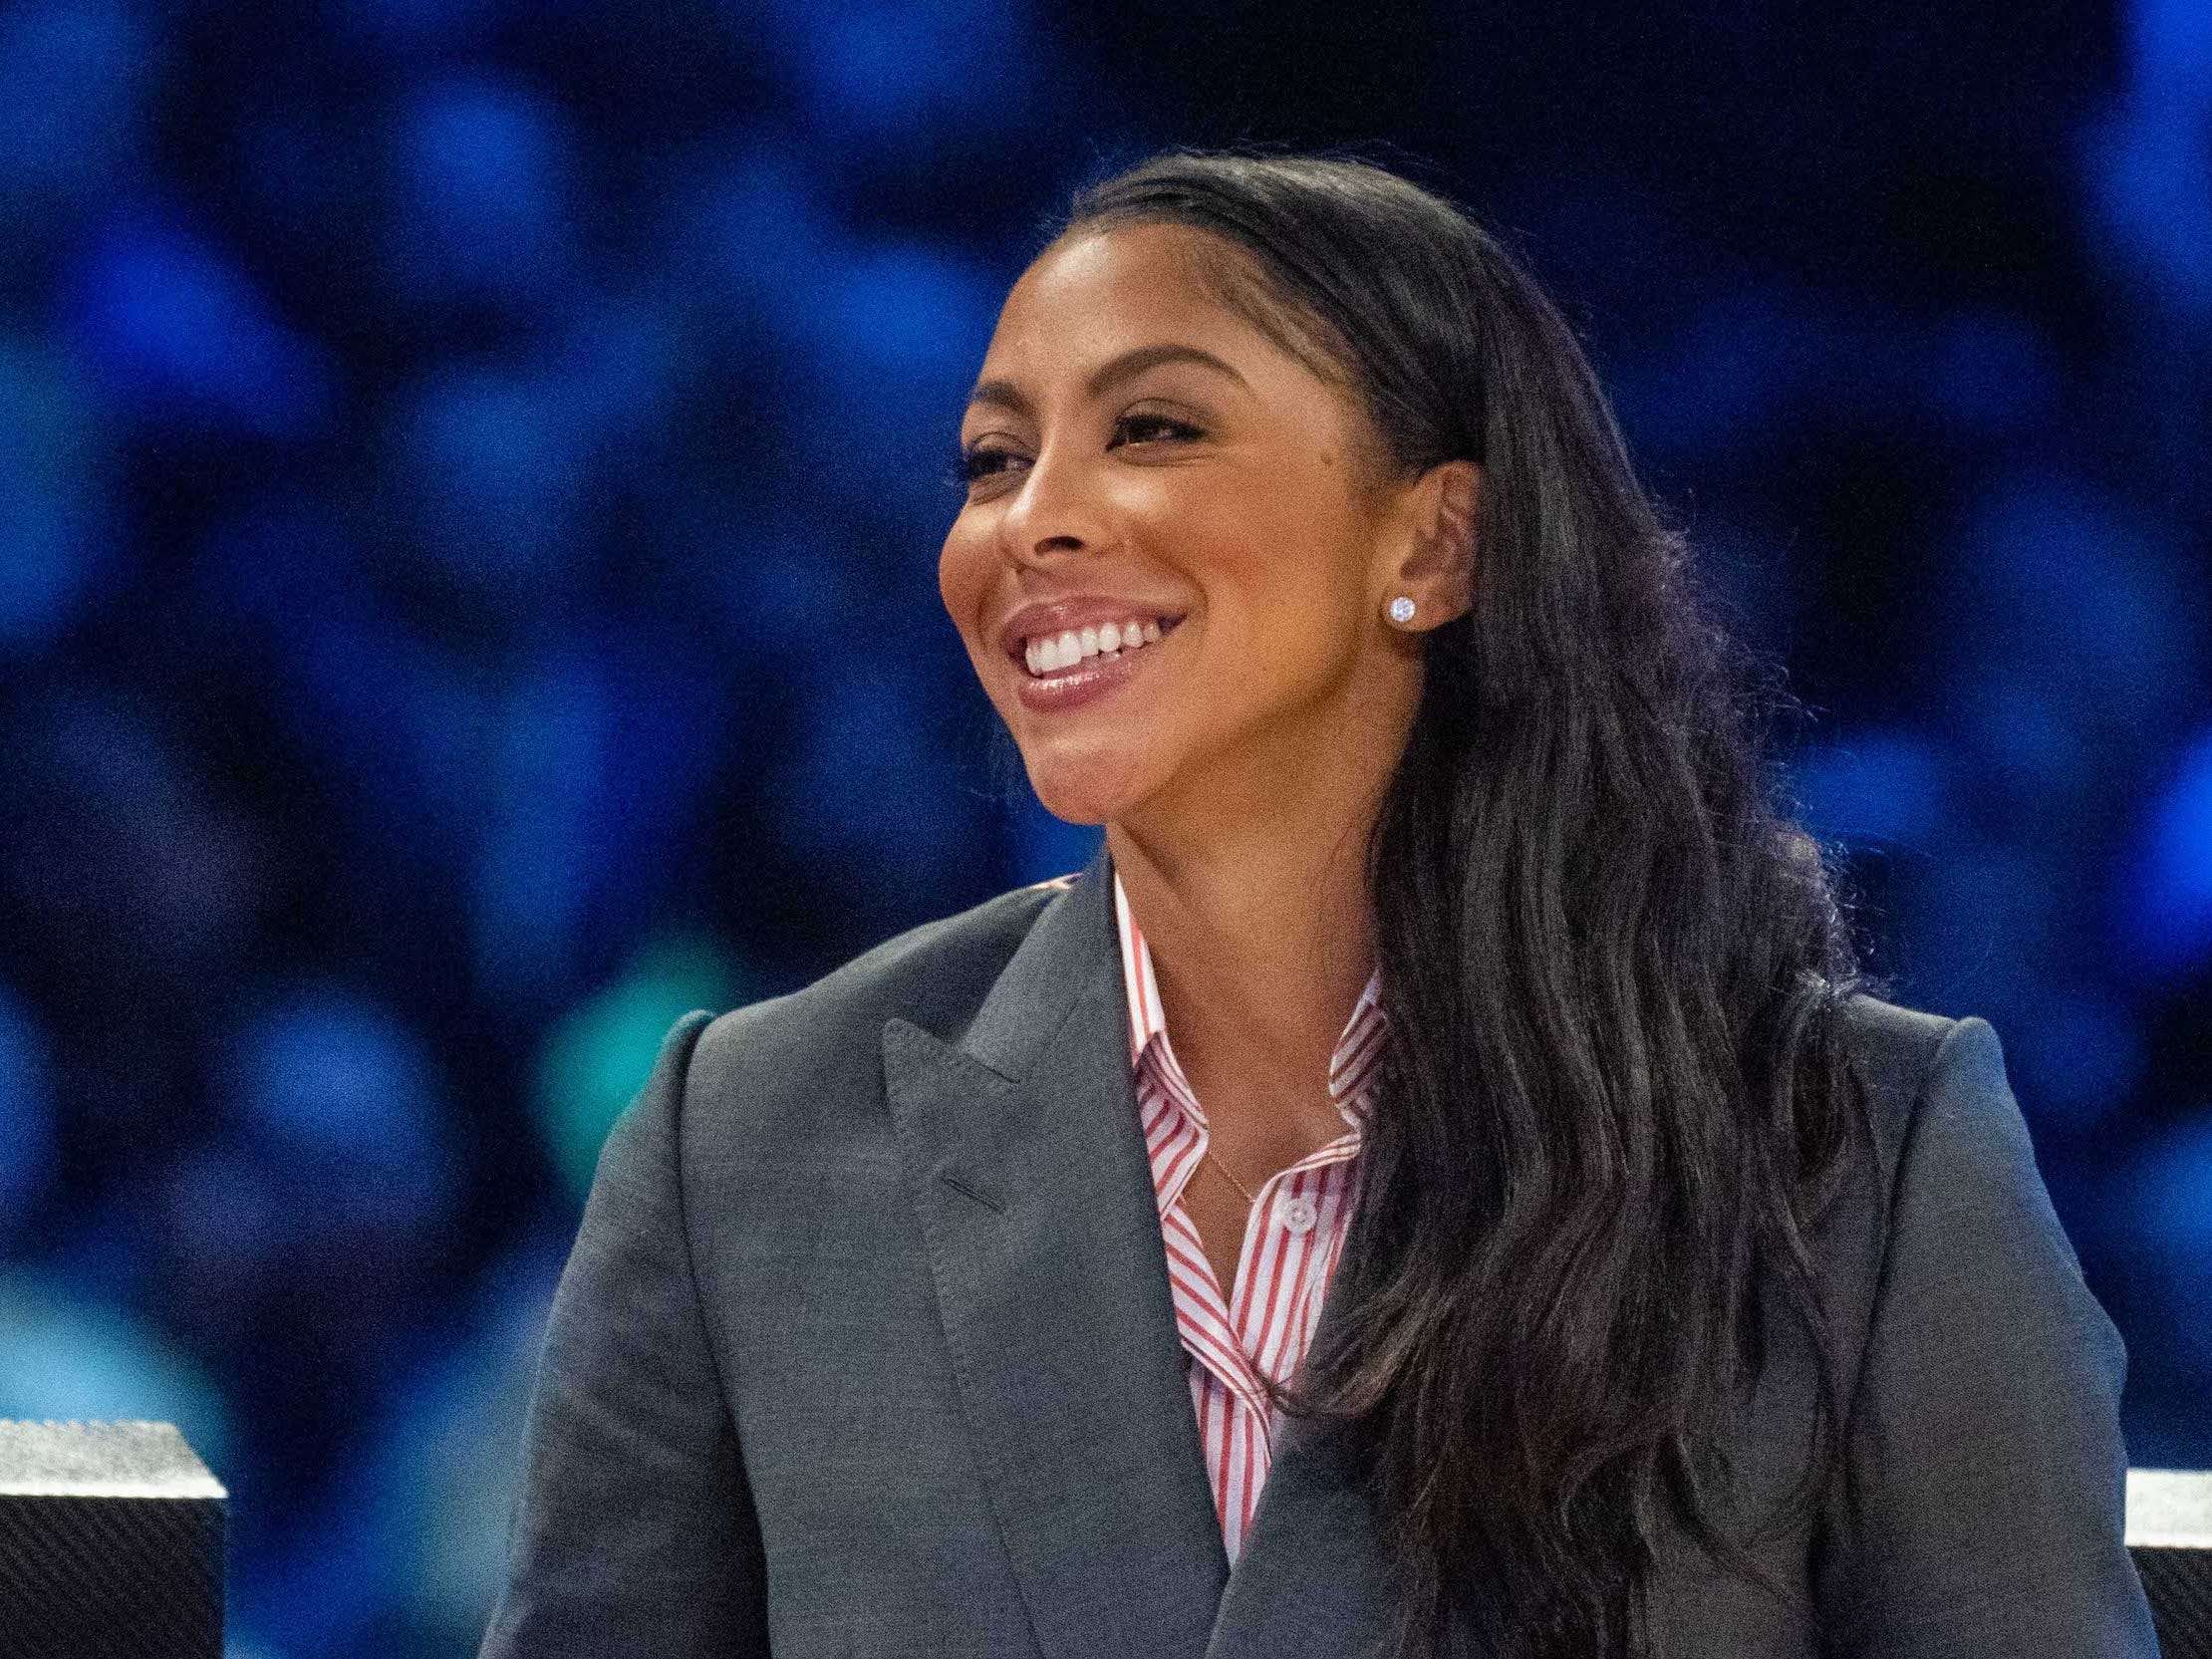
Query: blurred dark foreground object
point(2169, 1534)
point(111, 1543)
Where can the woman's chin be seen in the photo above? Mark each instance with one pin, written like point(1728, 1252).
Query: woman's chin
point(1084, 788)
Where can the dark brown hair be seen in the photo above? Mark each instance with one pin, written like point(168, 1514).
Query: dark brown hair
point(1615, 1090)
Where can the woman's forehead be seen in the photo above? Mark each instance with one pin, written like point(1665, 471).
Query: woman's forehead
point(1148, 274)
point(1101, 289)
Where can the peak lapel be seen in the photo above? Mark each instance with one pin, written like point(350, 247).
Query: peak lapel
point(1027, 1169)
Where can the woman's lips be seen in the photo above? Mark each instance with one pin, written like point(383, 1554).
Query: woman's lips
point(1087, 681)
point(1047, 618)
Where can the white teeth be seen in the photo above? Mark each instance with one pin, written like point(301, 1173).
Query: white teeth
point(1051, 652)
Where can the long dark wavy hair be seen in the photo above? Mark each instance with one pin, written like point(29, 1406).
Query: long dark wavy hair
point(1615, 1094)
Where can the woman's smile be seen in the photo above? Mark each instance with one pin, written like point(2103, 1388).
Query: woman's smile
point(1069, 653)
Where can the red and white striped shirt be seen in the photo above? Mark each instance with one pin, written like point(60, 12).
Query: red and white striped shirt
point(1292, 1238)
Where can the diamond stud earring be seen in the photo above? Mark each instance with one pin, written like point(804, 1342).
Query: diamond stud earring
point(1401, 610)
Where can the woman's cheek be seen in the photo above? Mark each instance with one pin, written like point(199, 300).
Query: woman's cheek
point(962, 576)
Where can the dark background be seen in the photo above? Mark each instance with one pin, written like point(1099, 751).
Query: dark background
point(470, 478)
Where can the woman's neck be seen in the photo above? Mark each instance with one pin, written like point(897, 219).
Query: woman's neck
point(1261, 942)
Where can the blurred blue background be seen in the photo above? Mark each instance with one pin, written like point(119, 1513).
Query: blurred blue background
point(471, 477)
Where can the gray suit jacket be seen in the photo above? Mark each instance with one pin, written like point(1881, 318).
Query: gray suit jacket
point(866, 1348)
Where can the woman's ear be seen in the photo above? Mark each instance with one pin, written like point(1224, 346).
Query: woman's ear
point(1437, 569)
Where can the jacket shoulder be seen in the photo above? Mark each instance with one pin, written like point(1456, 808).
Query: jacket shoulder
point(1894, 1052)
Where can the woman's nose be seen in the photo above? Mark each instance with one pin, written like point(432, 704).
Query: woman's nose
point(1055, 509)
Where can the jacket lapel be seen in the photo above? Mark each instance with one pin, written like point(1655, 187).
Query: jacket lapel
point(1026, 1165)
point(1311, 1579)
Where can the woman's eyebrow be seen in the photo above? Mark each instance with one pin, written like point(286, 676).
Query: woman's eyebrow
point(1110, 374)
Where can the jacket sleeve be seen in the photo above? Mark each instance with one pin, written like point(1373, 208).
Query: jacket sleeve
point(633, 1530)
point(1985, 1492)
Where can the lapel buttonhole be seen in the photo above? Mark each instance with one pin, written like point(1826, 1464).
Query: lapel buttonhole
point(982, 1191)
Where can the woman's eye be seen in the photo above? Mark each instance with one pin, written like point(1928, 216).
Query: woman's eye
point(1156, 426)
point(974, 464)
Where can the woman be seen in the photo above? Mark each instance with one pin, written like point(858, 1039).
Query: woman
point(1681, 1297)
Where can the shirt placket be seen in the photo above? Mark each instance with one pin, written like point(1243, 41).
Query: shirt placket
point(1291, 1244)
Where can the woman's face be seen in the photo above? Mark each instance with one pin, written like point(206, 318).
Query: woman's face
point(1141, 461)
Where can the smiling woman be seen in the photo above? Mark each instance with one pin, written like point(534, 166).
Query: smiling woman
point(1537, 1240)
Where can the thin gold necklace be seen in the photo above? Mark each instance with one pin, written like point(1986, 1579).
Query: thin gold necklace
point(1226, 1176)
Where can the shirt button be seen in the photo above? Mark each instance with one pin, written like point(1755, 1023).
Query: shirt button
point(1298, 1215)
